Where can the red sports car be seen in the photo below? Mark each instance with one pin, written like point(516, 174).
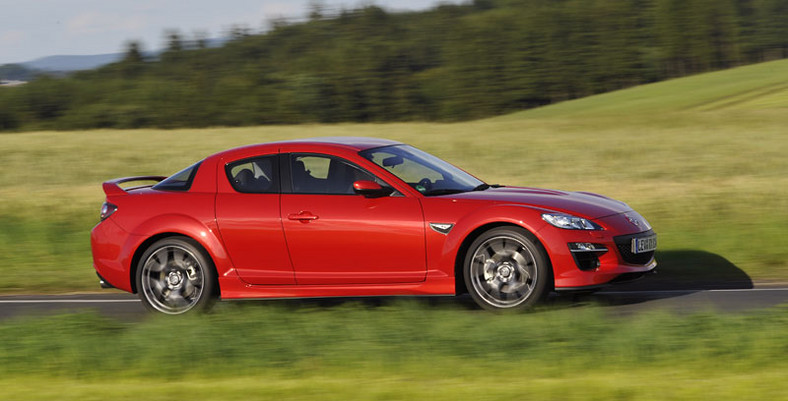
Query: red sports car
point(347, 217)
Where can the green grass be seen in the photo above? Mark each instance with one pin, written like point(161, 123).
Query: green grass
point(754, 87)
point(401, 350)
point(703, 158)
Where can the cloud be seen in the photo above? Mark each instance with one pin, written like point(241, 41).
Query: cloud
point(281, 8)
point(91, 23)
point(11, 38)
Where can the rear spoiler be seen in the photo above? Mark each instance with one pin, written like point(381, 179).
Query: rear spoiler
point(112, 187)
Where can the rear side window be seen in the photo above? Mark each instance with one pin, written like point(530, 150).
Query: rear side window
point(258, 175)
point(180, 181)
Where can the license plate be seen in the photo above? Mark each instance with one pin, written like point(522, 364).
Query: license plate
point(644, 244)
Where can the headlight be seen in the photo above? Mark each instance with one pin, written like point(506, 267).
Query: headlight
point(569, 222)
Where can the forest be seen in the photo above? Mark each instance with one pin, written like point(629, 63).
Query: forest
point(448, 63)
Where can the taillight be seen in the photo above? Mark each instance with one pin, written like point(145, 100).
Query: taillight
point(107, 209)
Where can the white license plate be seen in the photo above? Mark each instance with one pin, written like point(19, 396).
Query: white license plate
point(644, 244)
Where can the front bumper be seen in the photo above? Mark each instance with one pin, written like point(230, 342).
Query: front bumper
point(579, 271)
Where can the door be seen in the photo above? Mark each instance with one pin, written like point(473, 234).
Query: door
point(247, 212)
point(337, 237)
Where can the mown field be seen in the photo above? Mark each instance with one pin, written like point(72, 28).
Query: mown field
point(397, 351)
point(703, 158)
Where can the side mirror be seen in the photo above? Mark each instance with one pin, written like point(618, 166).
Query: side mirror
point(371, 189)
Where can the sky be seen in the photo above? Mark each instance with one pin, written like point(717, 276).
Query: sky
point(30, 29)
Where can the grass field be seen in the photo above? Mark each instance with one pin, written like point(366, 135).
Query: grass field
point(703, 158)
point(397, 351)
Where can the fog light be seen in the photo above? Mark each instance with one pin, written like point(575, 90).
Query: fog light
point(586, 247)
point(586, 254)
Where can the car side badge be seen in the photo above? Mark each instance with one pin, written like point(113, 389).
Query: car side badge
point(442, 228)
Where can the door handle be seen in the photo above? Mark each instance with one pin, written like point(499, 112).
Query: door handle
point(304, 217)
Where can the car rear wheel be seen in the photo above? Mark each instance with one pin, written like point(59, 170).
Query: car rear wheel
point(506, 270)
point(175, 276)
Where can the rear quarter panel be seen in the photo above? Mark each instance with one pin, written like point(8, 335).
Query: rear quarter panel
point(144, 213)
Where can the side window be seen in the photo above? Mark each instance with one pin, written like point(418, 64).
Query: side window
point(318, 174)
point(258, 175)
point(180, 181)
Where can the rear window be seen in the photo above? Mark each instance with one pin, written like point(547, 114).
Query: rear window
point(180, 181)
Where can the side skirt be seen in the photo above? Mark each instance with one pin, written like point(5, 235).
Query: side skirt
point(233, 288)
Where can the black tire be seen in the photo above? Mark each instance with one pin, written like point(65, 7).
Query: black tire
point(506, 269)
point(175, 275)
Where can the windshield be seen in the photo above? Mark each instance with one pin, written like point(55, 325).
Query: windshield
point(423, 171)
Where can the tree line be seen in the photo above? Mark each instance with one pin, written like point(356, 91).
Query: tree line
point(452, 62)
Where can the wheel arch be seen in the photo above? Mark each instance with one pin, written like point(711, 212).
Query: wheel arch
point(459, 259)
point(160, 236)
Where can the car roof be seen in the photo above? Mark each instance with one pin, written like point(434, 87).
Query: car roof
point(355, 144)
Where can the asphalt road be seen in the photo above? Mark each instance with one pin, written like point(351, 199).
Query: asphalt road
point(126, 307)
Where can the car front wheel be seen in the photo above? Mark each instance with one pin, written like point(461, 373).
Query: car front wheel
point(506, 270)
point(174, 276)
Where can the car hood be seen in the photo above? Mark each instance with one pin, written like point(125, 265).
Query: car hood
point(581, 204)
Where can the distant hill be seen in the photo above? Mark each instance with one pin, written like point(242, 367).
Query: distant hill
point(762, 86)
point(16, 72)
point(72, 63)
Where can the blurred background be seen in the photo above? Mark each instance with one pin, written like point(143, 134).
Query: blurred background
point(366, 63)
point(677, 107)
